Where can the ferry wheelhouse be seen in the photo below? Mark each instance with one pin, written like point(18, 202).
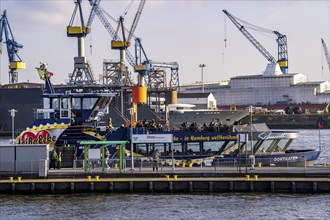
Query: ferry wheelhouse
point(67, 118)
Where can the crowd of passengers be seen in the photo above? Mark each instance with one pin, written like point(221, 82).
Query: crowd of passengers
point(214, 126)
point(150, 124)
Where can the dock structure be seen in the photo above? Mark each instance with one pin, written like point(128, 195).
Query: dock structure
point(182, 181)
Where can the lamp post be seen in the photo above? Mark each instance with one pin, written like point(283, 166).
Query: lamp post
point(251, 134)
point(12, 114)
point(132, 147)
point(202, 68)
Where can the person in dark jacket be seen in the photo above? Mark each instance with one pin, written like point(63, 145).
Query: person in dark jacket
point(155, 158)
point(53, 159)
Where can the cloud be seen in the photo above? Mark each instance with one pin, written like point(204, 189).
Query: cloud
point(37, 13)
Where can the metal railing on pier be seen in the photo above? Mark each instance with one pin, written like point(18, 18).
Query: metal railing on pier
point(143, 165)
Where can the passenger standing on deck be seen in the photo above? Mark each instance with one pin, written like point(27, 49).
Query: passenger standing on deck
point(253, 161)
point(155, 158)
point(53, 158)
point(59, 160)
point(107, 157)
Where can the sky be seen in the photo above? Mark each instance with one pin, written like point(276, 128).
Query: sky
point(188, 32)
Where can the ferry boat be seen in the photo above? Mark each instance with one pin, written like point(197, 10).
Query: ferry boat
point(69, 118)
point(220, 146)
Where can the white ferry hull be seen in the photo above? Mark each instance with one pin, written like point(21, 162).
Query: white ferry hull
point(225, 117)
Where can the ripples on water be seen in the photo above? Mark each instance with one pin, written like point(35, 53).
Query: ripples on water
point(166, 206)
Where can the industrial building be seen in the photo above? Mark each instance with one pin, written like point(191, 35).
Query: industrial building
point(269, 88)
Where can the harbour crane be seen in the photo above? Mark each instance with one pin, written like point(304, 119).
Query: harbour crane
point(281, 41)
point(140, 66)
point(15, 62)
point(97, 10)
point(326, 52)
point(82, 72)
point(122, 45)
point(115, 72)
point(147, 68)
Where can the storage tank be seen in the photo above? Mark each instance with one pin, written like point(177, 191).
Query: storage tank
point(139, 94)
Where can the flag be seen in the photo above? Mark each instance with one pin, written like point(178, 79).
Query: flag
point(41, 73)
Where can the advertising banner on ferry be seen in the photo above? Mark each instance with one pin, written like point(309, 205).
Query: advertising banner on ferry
point(203, 136)
point(152, 138)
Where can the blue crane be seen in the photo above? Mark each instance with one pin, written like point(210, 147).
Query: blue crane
point(15, 62)
point(147, 67)
point(281, 41)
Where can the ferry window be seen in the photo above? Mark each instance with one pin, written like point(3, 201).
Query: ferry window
point(249, 147)
point(192, 149)
point(88, 103)
point(160, 148)
point(55, 103)
point(65, 103)
point(177, 148)
point(230, 147)
point(76, 103)
point(281, 145)
point(141, 149)
point(212, 147)
point(265, 146)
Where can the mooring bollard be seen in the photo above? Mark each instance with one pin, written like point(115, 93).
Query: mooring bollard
point(19, 179)
point(89, 178)
point(11, 179)
point(116, 165)
point(256, 177)
point(97, 178)
point(259, 164)
point(324, 164)
point(183, 164)
point(247, 177)
point(167, 177)
point(190, 165)
point(175, 177)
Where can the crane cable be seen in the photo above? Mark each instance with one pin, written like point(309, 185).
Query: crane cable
point(322, 60)
point(224, 36)
point(256, 28)
point(91, 43)
point(113, 19)
point(127, 8)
